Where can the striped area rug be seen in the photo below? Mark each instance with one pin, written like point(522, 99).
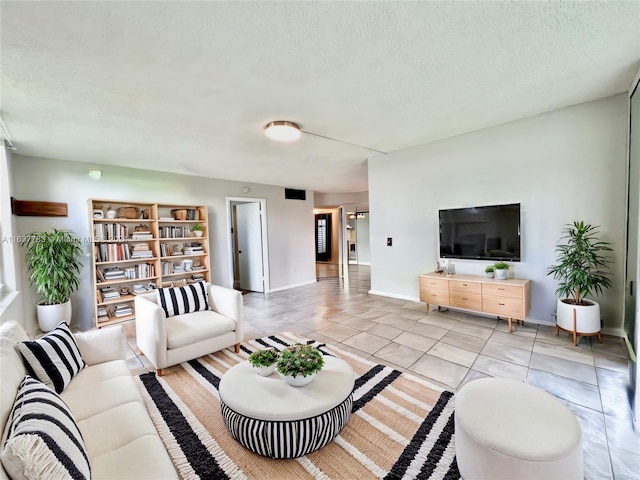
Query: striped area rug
point(401, 427)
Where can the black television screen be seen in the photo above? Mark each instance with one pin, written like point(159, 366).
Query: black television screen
point(481, 233)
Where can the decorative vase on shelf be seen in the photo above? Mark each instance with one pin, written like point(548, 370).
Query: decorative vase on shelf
point(299, 380)
point(111, 213)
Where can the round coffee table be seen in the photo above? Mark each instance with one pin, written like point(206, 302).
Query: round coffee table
point(274, 419)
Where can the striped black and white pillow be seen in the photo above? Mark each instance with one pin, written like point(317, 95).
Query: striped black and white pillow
point(53, 359)
point(42, 439)
point(179, 300)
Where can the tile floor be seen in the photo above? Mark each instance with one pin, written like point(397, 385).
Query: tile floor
point(451, 348)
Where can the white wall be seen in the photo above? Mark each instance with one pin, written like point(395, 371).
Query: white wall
point(289, 222)
point(10, 277)
point(562, 166)
point(328, 200)
point(364, 243)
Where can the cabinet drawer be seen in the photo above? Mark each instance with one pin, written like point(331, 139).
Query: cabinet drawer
point(502, 290)
point(434, 296)
point(470, 301)
point(504, 306)
point(431, 283)
point(471, 287)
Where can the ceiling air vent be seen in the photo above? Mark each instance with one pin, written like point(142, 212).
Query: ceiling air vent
point(293, 194)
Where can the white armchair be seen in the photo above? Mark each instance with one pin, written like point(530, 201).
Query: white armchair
point(176, 339)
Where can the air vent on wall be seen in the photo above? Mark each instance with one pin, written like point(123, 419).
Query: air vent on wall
point(293, 194)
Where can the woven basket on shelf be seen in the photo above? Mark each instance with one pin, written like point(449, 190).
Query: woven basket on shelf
point(129, 212)
point(179, 214)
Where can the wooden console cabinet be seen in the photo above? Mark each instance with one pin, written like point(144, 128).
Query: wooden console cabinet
point(509, 298)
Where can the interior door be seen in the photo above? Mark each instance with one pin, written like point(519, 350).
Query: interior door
point(249, 228)
point(631, 271)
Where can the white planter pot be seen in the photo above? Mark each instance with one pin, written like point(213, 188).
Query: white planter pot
point(489, 274)
point(501, 273)
point(265, 371)
point(298, 381)
point(50, 316)
point(587, 316)
point(197, 233)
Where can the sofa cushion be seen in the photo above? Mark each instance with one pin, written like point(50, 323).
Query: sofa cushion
point(12, 369)
point(89, 400)
point(183, 330)
point(53, 359)
point(42, 437)
point(144, 458)
point(179, 300)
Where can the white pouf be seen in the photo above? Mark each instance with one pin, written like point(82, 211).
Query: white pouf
point(505, 429)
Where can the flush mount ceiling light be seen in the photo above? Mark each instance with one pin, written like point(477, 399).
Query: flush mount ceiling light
point(282, 131)
point(95, 174)
point(286, 131)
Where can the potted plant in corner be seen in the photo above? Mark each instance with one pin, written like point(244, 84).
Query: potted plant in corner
point(54, 265)
point(580, 261)
point(264, 361)
point(500, 270)
point(298, 364)
point(489, 271)
point(197, 230)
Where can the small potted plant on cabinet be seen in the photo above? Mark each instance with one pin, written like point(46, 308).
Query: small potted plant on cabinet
point(264, 361)
point(580, 261)
point(197, 230)
point(53, 260)
point(501, 269)
point(489, 271)
point(298, 364)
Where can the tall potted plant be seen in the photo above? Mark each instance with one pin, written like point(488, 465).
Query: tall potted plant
point(54, 265)
point(580, 270)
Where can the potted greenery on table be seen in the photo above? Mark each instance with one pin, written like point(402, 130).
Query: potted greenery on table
point(53, 262)
point(264, 361)
point(579, 270)
point(500, 270)
point(298, 364)
point(489, 271)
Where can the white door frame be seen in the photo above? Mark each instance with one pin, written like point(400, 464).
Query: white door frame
point(265, 242)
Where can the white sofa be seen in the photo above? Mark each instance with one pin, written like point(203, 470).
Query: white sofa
point(120, 438)
point(176, 339)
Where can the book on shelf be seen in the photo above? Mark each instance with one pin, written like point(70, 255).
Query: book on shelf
point(113, 273)
point(109, 293)
point(166, 219)
point(99, 275)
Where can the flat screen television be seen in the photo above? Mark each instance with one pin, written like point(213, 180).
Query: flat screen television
point(481, 233)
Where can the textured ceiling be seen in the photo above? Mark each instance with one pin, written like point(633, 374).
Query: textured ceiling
point(188, 86)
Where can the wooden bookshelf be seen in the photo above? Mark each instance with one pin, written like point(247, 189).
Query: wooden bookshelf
point(120, 261)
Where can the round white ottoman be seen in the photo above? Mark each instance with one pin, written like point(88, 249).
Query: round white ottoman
point(274, 419)
point(505, 429)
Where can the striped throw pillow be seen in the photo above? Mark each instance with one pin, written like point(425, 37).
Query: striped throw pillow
point(53, 359)
point(42, 439)
point(179, 300)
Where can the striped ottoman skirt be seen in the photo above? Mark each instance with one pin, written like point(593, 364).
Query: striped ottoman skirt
point(274, 419)
point(287, 439)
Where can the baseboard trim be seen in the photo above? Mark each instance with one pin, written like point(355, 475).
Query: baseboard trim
point(288, 287)
point(394, 295)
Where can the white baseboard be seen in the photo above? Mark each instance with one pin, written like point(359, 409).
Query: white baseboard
point(394, 295)
point(616, 332)
point(287, 287)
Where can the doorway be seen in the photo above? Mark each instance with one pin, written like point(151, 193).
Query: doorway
point(247, 221)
